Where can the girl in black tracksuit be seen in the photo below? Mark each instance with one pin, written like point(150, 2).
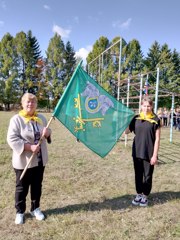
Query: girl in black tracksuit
point(146, 127)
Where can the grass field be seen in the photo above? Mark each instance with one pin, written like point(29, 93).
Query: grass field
point(86, 197)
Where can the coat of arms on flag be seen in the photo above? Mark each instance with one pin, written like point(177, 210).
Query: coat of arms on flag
point(94, 103)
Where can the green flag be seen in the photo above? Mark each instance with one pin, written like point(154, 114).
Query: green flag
point(91, 114)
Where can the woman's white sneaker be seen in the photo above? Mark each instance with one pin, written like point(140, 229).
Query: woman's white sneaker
point(143, 202)
point(136, 201)
point(19, 218)
point(38, 214)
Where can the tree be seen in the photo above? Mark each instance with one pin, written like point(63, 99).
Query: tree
point(152, 61)
point(55, 67)
point(167, 62)
point(21, 49)
point(32, 69)
point(167, 69)
point(23, 69)
point(70, 63)
point(153, 56)
point(95, 67)
point(28, 52)
point(111, 69)
point(8, 71)
point(133, 58)
point(176, 62)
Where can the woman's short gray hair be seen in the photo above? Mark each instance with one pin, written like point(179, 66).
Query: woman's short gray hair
point(28, 96)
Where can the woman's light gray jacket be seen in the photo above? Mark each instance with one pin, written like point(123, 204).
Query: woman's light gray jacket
point(20, 133)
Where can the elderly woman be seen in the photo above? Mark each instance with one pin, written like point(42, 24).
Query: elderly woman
point(24, 132)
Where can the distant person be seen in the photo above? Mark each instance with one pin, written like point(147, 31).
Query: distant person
point(172, 114)
point(178, 118)
point(165, 117)
point(160, 115)
point(146, 127)
point(24, 132)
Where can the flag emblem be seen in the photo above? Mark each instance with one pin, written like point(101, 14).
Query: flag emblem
point(94, 101)
point(92, 104)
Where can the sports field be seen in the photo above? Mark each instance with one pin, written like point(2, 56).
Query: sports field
point(86, 197)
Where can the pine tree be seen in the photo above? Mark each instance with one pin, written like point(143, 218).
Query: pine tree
point(70, 63)
point(34, 55)
point(167, 69)
point(28, 53)
point(153, 56)
point(176, 62)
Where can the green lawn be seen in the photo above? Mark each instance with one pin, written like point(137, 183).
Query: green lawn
point(86, 197)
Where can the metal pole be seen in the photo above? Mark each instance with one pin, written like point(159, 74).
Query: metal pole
point(146, 84)
point(171, 126)
point(157, 91)
point(127, 104)
point(119, 74)
point(128, 86)
point(99, 70)
point(140, 95)
point(102, 70)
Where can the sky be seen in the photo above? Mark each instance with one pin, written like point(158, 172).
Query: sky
point(82, 22)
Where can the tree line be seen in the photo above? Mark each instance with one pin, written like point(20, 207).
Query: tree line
point(24, 69)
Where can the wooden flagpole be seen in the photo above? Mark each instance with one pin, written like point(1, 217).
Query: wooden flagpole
point(32, 156)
